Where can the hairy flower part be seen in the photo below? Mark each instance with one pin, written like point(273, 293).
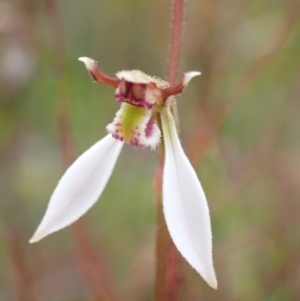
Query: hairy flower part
point(136, 126)
point(185, 207)
point(139, 89)
point(134, 122)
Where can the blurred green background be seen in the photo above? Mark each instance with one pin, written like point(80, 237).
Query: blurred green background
point(239, 122)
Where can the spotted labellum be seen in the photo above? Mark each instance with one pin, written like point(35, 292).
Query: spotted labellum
point(144, 100)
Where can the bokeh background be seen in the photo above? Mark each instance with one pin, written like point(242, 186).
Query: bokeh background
point(240, 127)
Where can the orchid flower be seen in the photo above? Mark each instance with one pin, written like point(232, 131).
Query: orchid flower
point(144, 101)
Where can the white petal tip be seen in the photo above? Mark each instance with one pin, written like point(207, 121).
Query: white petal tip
point(213, 283)
point(37, 236)
point(188, 76)
point(185, 206)
point(33, 240)
point(80, 187)
point(89, 63)
point(209, 275)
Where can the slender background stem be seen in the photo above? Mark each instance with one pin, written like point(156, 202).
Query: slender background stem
point(91, 268)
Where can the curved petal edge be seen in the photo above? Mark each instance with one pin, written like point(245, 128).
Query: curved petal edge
point(185, 206)
point(80, 187)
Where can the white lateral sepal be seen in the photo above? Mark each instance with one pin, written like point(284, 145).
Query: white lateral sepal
point(89, 63)
point(185, 207)
point(188, 76)
point(80, 187)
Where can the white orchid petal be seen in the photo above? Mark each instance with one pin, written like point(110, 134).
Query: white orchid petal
point(185, 207)
point(89, 63)
point(188, 76)
point(135, 76)
point(80, 187)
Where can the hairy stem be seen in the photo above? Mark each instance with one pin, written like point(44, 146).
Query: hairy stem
point(175, 40)
point(162, 236)
point(167, 257)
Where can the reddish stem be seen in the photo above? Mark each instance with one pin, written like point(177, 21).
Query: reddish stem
point(93, 269)
point(167, 257)
point(174, 258)
point(162, 238)
point(174, 89)
point(22, 273)
point(176, 40)
point(101, 77)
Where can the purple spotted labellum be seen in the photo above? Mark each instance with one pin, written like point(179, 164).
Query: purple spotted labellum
point(142, 98)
